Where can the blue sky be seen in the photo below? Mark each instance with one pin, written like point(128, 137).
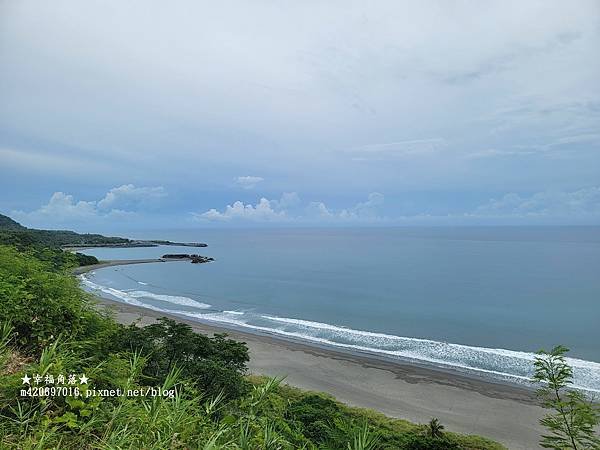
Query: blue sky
point(130, 115)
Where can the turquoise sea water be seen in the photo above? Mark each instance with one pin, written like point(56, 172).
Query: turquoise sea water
point(478, 300)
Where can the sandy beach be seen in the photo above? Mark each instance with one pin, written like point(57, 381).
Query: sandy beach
point(120, 262)
point(506, 413)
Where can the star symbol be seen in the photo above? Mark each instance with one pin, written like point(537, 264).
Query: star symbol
point(26, 379)
point(83, 379)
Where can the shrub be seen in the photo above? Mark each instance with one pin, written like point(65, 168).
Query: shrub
point(42, 303)
point(214, 364)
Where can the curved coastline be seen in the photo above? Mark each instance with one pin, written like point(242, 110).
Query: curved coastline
point(406, 389)
point(494, 365)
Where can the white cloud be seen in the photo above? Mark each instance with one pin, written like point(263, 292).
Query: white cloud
point(289, 209)
point(261, 212)
point(264, 211)
point(319, 210)
point(248, 182)
point(369, 207)
point(61, 207)
point(577, 204)
point(288, 200)
point(128, 196)
point(363, 211)
point(119, 202)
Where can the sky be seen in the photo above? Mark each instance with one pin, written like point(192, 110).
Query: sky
point(142, 114)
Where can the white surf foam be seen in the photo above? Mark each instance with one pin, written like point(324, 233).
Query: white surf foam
point(132, 297)
point(499, 363)
point(174, 299)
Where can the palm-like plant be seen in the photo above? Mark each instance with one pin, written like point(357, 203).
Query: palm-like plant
point(435, 428)
point(363, 439)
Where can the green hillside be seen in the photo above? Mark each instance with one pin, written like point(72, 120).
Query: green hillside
point(46, 244)
point(6, 223)
point(12, 232)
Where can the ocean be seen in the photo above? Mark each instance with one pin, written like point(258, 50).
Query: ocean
point(476, 300)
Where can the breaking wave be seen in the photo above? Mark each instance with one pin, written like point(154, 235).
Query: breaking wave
point(132, 297)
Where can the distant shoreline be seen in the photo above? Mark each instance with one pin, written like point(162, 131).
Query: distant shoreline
point(117, 262)
point(505, 412)
point(133, 244)
point(125, 262)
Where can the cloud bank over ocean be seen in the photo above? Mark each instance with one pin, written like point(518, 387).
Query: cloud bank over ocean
point(129, 203)
point(489, 113)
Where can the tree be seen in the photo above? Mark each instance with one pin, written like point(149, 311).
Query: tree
point(434, 428)
point(214, 364)
point(572, 425)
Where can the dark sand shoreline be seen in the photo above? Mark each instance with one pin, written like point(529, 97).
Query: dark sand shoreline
point(500, 411)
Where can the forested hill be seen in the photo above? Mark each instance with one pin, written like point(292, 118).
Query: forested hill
point(6, 223)
point(13, 233)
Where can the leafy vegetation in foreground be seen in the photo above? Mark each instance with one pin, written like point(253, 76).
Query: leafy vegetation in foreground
point(48, 326)
point(575, 418)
